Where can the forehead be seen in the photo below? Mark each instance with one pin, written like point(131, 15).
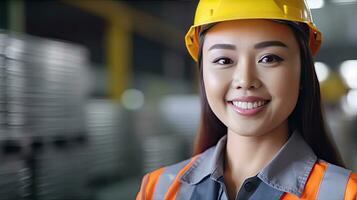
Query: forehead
point(248, 32)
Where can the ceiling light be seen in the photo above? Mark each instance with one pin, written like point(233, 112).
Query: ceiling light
point(315, 4)
point(348, 70)
point(322, 71)
point(132, 99)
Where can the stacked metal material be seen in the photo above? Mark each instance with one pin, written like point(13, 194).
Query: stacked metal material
point(2, 84)
point(107, 138)
point(62, 173)
point(11, 165)
point(160, 150)
point(160, 145)
point(42, 80)
point(182, 113)
point(42, 85)
point(14, 178)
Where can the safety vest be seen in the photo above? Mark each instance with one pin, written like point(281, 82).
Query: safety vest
point(294, 173)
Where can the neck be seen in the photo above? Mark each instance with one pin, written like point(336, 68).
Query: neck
point(246, 156)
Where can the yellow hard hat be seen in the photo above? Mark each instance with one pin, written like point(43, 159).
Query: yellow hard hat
point(212, 11)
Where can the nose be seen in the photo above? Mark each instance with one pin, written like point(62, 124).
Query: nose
point(245, 76)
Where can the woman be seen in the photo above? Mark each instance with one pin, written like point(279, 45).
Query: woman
point(262, 133)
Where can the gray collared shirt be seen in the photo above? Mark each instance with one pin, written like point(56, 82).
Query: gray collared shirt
point(286, 172)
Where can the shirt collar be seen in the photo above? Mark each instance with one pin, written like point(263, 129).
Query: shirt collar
point(287, 171)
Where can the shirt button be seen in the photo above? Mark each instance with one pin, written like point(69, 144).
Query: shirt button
point(249, 187)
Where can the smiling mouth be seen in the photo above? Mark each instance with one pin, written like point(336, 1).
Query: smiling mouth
point(245, 105)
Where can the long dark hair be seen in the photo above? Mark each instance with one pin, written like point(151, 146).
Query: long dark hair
point(307, 117)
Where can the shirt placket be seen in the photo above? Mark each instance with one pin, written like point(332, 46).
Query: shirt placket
point(222, 189)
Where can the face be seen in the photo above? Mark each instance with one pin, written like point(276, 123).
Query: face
point(251, 74)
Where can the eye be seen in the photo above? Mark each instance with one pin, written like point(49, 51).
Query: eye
point(223, 61)
point(269, 59)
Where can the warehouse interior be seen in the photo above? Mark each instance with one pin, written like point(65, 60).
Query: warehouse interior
point(94, 94)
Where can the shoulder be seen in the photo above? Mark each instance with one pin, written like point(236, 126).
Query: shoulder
point(353, 179)
point(169, 173)
point(163, 178)
point(168, 178)
point(351, 189)
point(341, 177)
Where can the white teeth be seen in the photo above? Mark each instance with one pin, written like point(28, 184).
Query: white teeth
point(244, 106)
point(248, 105)
point(235, 103)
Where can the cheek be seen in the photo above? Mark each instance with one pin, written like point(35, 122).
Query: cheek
point(284, 86)
point(211, 81)
point(215, 86)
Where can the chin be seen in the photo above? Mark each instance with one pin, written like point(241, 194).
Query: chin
point(246, 132)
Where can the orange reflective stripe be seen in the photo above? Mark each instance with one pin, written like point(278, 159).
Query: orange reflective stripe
point(148, 185)
point(153, 177)
point(138, 195)
point(313, 183)
point(351, 189)
point(141, 194)
point(173, 189)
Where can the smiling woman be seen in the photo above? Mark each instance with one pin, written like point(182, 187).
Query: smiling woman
point(262, 133)
point(262, 66)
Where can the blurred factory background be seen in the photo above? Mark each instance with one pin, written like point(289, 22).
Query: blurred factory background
point(93, 94)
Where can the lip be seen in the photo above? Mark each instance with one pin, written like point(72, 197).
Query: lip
point(248, 112)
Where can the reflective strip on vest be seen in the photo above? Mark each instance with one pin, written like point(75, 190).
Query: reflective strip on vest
point(166, 180)
point(164, 183)
point(333, 185)
point(150, 186)
point(175, 186)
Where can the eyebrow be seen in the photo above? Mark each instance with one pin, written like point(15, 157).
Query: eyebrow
point(223, 46)
point(257, 46)
point(270, 43)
